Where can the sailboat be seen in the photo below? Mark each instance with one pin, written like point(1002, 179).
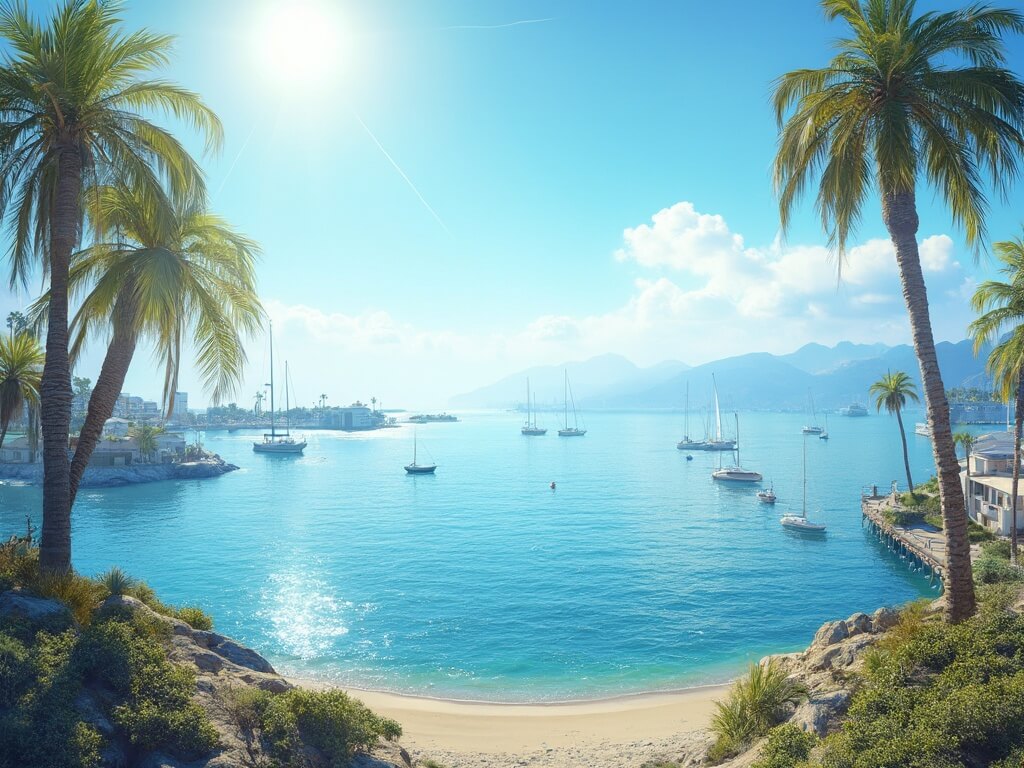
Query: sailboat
point(795, 522)
point(716, 443)
point(531, 428)
point(275, 442)
point(824, 434)
point(736, 473)
point(812, 428)
point(767, 496)
point(418, 469)
point(686, 444)
point(574, 430)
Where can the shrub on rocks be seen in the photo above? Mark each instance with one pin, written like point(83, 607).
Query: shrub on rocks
point(786, 746)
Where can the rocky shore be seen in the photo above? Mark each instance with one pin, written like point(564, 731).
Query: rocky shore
point(113, 477)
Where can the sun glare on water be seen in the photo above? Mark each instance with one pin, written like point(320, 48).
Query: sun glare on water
point(300, 46)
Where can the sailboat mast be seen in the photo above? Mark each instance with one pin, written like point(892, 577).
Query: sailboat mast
point(737, 417)
point(718, 411)
point(804, 509)
point(565, 410)
point(686, 414)
point(527, 401)
point(272, 433)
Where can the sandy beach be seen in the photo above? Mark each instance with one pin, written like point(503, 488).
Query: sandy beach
point(621, 732)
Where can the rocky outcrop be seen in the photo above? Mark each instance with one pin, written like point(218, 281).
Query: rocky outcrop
point(37, 610)
point(113, 477)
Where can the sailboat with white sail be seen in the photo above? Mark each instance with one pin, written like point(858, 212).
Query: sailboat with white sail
point(812, 428)
point(531, 428)
point(278, 443)
point(736, 473)
point(574, 430)
point(800, 523)
point(718, 442)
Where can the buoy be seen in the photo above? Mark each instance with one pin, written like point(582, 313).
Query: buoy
point(689, 457)
point(552, 485)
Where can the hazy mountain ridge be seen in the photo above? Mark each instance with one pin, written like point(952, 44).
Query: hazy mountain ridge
point(835, 376)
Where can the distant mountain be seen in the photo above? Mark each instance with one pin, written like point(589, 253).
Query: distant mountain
point(596, 382)
point(835, 376)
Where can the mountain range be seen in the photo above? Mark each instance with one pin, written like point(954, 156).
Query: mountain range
point(833, 376)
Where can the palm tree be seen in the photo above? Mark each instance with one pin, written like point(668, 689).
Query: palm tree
point(1002, 308)
point(146, 436)
point(892, 392)
point(72, 90)
point(906, 97)
point(163, 272)
point(966, 441)
point(16, 322)
point(21, 366)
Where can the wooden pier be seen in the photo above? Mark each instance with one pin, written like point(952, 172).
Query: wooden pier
point(920, 545)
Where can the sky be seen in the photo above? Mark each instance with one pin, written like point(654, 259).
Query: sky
point(447, 192)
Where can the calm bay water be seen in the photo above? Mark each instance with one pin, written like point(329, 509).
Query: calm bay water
point(638, 573)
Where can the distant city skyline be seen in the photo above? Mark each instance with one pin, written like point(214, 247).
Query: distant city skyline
point(446, 194)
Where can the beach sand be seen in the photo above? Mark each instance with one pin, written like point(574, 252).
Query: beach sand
point(620, 732)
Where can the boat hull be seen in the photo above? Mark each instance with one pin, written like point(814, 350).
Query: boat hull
point(572, 432)
point(736, 475)
point(283, 449)
point(533, 431)
point(420, 469)
point(800, 524)
point(706, 445)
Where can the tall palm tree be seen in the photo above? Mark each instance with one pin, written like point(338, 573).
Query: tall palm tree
point(892, 392)
point(161, 273)
point(906, 97)
point(73, 89)
point(1002, 308)
point(966, 441)
point(21, 367)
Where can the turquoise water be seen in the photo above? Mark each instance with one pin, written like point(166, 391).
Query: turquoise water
point(638, 573)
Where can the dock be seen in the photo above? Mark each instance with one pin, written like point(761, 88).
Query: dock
point(920, 545)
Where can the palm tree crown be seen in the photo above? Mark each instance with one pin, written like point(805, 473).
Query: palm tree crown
point(889, 106)
point(893, 391)
point(1001, 305)
point(21, 367)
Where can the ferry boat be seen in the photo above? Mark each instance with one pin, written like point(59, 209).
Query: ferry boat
point(853, 409)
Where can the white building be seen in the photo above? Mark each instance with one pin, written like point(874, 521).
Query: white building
point(180, 412)
point(355, 417)
point(988, 492)
point(115, 427)
point(15, 451)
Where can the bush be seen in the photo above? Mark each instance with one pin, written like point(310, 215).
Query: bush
point(196, 618)
point(787, 745)
point(79, 594)
point(903, 516)
point(117, 582)
point(993, 565)
point(755, 704)
point(16, 672)
point(329, 721)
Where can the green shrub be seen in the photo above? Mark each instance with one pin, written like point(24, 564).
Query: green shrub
point(903, 516)
point(16, 671)
point(196, 618)
point(755, 704)
point(989, 568)
point(787, 745)
point(329, 721)
point(116, 582)
point(79, 594)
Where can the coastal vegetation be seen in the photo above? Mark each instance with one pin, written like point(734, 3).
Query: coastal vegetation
point(1001, 305)
point(75, 92)
point(892, 392)
point(907, 98)
point(21, 366)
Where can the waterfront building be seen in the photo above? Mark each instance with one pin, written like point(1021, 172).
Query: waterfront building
point(180, 413)
point(980, 413)
point(115, 452)
point(15, 450)
point(356, 417)
point(988, 492)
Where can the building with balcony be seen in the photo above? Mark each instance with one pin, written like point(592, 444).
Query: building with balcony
point(988, 491)
point(356, 417)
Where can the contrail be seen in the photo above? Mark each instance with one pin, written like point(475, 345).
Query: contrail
point(401, 173)
point(235, 161)
point(499, 26)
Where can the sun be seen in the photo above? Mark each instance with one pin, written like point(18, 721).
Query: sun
point(300, 45)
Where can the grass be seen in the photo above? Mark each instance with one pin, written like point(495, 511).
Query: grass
point(755, 704)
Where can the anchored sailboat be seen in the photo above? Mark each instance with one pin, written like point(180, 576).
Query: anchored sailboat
point(709, 443)
point(275, 442)
point(812, 428)
point(736, 473)
point(415, 468)
point(531, 428)
point(574, 430)
point(795, 522)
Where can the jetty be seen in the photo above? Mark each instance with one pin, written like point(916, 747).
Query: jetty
point(920, 544)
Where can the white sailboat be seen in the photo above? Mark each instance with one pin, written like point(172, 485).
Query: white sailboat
point(736, 473)
point(795, 522)
point(824, 434)
point(415, 468)
point(812, 428)
point(709, 443)
point(275, 442)
point(574, 430)
point(531, 428)
point(767, 495)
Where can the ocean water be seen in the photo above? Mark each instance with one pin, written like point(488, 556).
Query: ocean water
point(637, 573)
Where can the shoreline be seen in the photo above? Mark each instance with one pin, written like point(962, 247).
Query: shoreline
point(459, 732)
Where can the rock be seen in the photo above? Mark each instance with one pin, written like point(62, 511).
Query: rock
point(208, 662)
point(819, 712)
point(232, 651)
point(858, 624)
point(883, 619)
point(15, 604)
point(831, 633)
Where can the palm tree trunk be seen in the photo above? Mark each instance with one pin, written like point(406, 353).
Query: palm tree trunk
point(3, 434)
point(108, 386)
point(55, 387)
point(1018, 425)
point(899, 211)
point(906, 456)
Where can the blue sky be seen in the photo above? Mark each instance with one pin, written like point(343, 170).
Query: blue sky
point(541, 139)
